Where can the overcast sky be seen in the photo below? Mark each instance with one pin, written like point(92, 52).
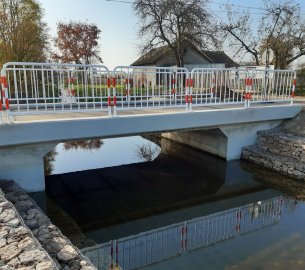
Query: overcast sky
point(119, 43)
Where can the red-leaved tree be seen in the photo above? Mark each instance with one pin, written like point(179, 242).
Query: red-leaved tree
point(77, 42)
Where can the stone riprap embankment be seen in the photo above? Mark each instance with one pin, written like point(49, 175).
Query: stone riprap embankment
point(64, 255)
point(281, 149)
point(18, 247)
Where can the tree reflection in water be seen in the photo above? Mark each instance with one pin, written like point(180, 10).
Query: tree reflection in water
point(84, 144)
point(48, 161)
point(49, 158)
point(147, 151)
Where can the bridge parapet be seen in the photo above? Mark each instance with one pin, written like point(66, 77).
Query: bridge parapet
point(46, 88)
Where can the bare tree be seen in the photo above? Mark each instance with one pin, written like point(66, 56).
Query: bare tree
point(23, 34)
point(281, 28)
point(238, 32)
point(174, 22)
point(77, 42)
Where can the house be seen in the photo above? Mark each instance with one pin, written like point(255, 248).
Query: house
point(193, 58)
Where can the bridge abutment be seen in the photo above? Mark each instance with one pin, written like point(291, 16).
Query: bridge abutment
point(24, 164)
point(226, 142)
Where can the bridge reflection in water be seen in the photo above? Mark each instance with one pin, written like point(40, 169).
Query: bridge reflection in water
point(167, 242)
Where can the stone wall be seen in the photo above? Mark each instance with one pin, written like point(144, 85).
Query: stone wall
point(63, 253)
point(285, 144)
point(18, 247)
point(280, 151)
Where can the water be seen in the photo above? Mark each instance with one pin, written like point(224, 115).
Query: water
point(111, 152)
point(182, 210)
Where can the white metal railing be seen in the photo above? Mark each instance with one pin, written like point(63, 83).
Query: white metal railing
point(149, 87)
point(161, 244)
point(218, 86)
point(29, 88)
point(45, 87)
point(272, 85)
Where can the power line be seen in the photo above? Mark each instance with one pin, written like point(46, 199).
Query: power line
point(121, 1)
point(216, 3)
point(239, 6)
point(239, 12)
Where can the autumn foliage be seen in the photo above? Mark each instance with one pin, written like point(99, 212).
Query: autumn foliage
point(23, 34)
point(77, 43)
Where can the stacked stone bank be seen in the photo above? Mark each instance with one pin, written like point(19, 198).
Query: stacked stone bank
point(281, 149)
point(28, 240)
point(18, 247)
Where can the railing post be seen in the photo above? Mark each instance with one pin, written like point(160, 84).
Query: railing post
point(293, 87)
point(191, 94)
point(114, 95)
point(3, 79)
point(109, 96)
point(4, 95)
point(246, 92)
point(186, 93)
point(250, 90)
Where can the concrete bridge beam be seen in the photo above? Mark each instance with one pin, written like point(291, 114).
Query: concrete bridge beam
point(226, 142)
point(24, 164)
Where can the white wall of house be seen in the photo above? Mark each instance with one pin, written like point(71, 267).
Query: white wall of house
point(208, 65)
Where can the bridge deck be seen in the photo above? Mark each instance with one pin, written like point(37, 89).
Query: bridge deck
point(104, 114)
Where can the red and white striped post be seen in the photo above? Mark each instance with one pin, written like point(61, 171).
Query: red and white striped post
point(4, 86)
point(111, 255)
point(109, 96)
point(213, 87)
point(114, 96)
point(72, 90)
point(238, 221)
point(127, 87)
point(116, 254)
point(112, 100)
point(248, 89)
point(293, 87)
point(191, 94)
point(186, 94)
point(173, 85)
point(1, 96)
point(184, 236)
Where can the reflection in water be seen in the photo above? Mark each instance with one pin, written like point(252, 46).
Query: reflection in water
point(103, 153)
point(147, 151)
point(49, 160)
point(84, 144)
point(168, 242)
point(284, 183)
point(206, 199)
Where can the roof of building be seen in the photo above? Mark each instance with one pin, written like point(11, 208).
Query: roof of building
point(151, 57)
point(215, 57)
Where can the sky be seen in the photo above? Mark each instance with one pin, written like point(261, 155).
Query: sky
point(119, 43)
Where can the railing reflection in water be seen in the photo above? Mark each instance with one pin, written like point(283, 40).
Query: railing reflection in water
point(161, 244)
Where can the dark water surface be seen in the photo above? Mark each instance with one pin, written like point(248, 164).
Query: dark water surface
point(182, 210)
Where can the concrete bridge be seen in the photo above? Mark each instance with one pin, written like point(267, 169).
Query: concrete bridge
point(216, 110)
